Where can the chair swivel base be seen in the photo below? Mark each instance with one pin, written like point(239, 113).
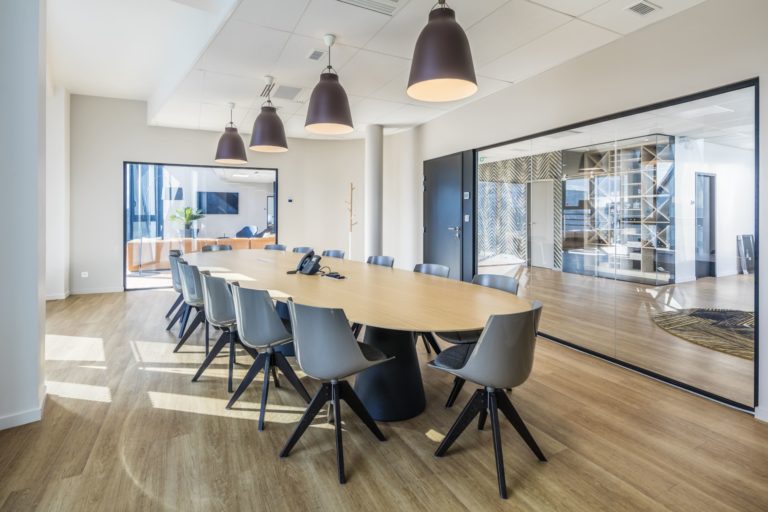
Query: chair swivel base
point(333, 392)
point(268, 362)
point(488, 401)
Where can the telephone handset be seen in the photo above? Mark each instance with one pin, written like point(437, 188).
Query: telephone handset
point(309, 264)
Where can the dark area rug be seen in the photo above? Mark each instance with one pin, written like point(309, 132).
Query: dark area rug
point(725, 330)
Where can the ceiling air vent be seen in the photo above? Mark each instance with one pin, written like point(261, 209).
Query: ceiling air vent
point(267, 89)
point(316, 55)
point(286, 92)
point(387, 7)
point(643, 8)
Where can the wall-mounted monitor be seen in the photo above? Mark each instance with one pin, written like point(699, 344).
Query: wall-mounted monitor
point(218, 203)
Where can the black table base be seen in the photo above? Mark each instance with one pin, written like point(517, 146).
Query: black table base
point(392, 391)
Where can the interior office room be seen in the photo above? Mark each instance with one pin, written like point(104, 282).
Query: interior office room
point(383, 254)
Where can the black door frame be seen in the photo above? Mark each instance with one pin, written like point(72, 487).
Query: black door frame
point(745, 84)
point(712, 270)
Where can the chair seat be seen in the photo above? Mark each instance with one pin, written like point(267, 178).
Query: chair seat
point(452, 358)
point(371, 353)
point(227, 324)
point(460, 337)
point(194, 304)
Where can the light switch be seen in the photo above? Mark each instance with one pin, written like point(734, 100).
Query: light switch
point(466, 195)
point(466, 218)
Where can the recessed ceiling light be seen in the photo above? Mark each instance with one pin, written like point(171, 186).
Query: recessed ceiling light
point(704, 111)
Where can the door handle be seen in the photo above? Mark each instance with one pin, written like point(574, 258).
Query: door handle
point(456, 230)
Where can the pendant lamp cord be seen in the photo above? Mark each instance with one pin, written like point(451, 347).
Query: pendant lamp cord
point(231, 121)
point(329, 68)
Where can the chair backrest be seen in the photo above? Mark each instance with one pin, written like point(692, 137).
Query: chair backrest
point(216, 248)
point(258, 324)
point(503, 356)
point(217, 298)
point(247, 232)
point(303, 249)
point(191, 287)
point(433, 269)
point(325, 347)
point(334, 253)
point(175, 275)
point(504, 283)
point(274, 247)
point(383, 261)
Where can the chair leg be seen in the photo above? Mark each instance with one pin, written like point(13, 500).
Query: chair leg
point(255, 368)
point(264, 391)
point(211, 356)
point(285, 367)
point(175, 305)
point(199, 318)
point(424, 340)
point(177, 317)
point(477, 403)
point(481, 419)
point(274, 374)
point(429, 338)
point(509, 411)
point(335, 392)
point(356, 328)
point(348, 395)
point(207, 335)
point(184, 319)
point(497, 450)
point(458, 383)
point(317, 403)
point(231, 369)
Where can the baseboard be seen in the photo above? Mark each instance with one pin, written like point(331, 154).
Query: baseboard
point(88, 291)
point(761, 413)
point(24, 417)
point(57, 296)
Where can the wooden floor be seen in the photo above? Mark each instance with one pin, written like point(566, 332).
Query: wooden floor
point(125, 429)
point(616, 318)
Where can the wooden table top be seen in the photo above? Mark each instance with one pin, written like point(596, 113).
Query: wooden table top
point(370, 295)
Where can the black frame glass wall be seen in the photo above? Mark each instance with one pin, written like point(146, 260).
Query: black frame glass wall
point(186, 207)
point(638, 232)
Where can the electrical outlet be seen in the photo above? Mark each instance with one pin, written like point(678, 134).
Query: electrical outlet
point(83, 274)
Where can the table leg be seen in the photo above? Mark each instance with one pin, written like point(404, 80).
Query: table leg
point(392, 391)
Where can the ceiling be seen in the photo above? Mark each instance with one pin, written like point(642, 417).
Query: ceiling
point(727, 119)
point(190, 58)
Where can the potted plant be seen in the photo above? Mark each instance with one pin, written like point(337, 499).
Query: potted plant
point(187, 216)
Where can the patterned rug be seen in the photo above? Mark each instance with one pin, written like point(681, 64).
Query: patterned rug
point(724, 330)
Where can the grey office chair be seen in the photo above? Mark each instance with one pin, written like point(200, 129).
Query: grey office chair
point(302, 250)
point(261, 329)
point(220, 312)
point(216, 248)
point(173, 259)
point(501, 359)
point(433, 269)
point(192, 289)
point(327, 351)
point(383, 261)
point(274, 247)
point(467, 338)
point(334, 253)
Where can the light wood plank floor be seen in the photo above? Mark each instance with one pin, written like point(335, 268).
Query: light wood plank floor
point(125, 429)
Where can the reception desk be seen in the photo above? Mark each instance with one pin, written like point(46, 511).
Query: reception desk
point(152, 253)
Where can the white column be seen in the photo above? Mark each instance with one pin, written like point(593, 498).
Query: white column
point(57, 193)
point(22, 195)
point(374, 177)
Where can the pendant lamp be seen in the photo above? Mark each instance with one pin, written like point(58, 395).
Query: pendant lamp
point(442, 67)
point(328, 112)
point(231, 149)
point(268, 135)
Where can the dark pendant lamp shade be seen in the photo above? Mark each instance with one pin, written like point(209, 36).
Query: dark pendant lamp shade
point(268, 134)
point(231, 148)
point(328, 112)
point(442, 67)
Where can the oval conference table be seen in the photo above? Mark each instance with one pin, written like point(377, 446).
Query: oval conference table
point(393, 304)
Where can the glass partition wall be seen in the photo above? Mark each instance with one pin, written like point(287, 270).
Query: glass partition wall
point(177, 207)
point(638, 235)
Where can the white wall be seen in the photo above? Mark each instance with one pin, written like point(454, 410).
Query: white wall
point(713, 44)
point(734, 171)
point(104, 133)
point(22, 196)
point(56, 193)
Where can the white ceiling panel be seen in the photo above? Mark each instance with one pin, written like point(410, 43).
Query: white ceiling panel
point(294, 68)
point(222, 89)
point(179, 113)
point(216, 117)
point(410, 115)
point(520, 21)
point(191, 88)
point(571, 7)
point(615, 16)
point(243, 49)
point(371, 111)
point(367, 70)
point(571, 40)
point(353, 26)
point(277, 14)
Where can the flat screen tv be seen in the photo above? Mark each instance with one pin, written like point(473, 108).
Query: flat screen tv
point(218, 203)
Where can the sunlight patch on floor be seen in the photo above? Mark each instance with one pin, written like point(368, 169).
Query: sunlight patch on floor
point(87, 392)
point(73, 348)
point(158, 352)
point(434, 435)
point(217, 407)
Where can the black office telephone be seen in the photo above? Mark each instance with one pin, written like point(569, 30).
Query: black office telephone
point(309, 264)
